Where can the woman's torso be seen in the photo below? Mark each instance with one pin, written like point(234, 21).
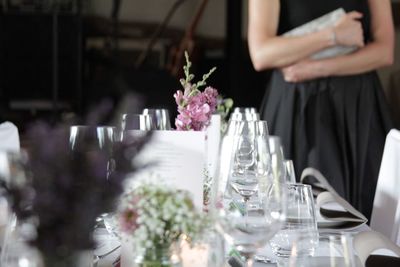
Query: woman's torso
point(297, 12)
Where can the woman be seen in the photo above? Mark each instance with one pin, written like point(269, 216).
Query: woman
point(330, 113)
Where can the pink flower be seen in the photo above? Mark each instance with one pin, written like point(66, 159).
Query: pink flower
point(128, 220)
point(178, 97)
point(199, 113)
point(211, 95)
point(195, 107)
point(188, 89)
point(182, 121)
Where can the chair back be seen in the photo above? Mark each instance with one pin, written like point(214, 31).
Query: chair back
point(385, 216)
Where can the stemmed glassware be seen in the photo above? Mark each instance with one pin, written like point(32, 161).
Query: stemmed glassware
point(99, 138)
point(248, 227)
point(89, 139)
point(160, 118)
point(142, 122)
point(250, 158)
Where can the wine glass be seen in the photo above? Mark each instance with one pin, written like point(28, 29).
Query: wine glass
point(245, 110)
point(84, 138)
point(248, 230)
point(250, 158)
point(248, 227)
point(142, 122)
point(160, 118)
point(245, 117)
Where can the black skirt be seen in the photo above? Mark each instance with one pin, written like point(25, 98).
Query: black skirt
point(337, 125)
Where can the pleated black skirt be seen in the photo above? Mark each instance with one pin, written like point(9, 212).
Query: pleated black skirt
point(337, 125)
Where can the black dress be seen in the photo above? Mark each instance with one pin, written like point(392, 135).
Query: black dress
point(336, 124)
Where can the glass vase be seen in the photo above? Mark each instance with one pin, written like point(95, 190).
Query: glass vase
point(163, 256)
point(83, 258)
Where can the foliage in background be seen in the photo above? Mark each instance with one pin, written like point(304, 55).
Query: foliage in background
point(70, 188)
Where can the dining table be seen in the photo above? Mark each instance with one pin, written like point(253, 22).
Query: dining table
point(110, 249)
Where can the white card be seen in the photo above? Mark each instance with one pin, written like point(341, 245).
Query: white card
point(178, 159)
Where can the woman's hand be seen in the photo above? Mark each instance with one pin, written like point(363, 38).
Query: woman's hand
point(302, 71)
point(348, 30)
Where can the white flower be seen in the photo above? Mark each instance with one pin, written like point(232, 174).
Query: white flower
point(163, 214)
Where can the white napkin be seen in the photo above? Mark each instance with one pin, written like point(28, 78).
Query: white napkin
point(346, 214)
point(367, 242)
point(9, 137)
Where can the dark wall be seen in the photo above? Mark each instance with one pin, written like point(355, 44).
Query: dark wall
point(26, 56)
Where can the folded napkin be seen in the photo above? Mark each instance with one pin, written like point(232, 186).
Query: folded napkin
point(367, 242)
point(341, 214)
point(9, 137)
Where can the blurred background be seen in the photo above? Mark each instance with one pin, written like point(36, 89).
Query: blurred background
point(58, 58)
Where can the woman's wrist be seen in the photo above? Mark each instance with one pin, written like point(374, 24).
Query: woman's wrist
point(329, 37)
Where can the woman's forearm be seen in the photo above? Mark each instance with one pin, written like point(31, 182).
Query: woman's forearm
point(277, 52)
point(371, 57)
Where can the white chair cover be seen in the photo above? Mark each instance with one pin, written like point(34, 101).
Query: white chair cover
point(9, 137)
point(385, 216)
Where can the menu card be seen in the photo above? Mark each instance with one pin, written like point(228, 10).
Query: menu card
point(175, 158)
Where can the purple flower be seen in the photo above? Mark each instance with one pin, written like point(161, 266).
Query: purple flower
point(178, 97)
point(183, 121)
point(194, 107)
point(211, 95)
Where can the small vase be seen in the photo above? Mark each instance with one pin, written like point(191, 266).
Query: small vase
point(164, 256)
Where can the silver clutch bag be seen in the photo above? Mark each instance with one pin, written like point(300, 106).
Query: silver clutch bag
point(327, 20)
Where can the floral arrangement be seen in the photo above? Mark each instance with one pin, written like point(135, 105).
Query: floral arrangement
point(156, 216)
point(194, 106)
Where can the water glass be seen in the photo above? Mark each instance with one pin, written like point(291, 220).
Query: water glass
point(334, 250)
point(160, 118)
point(142, 122)
point(300, 219)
